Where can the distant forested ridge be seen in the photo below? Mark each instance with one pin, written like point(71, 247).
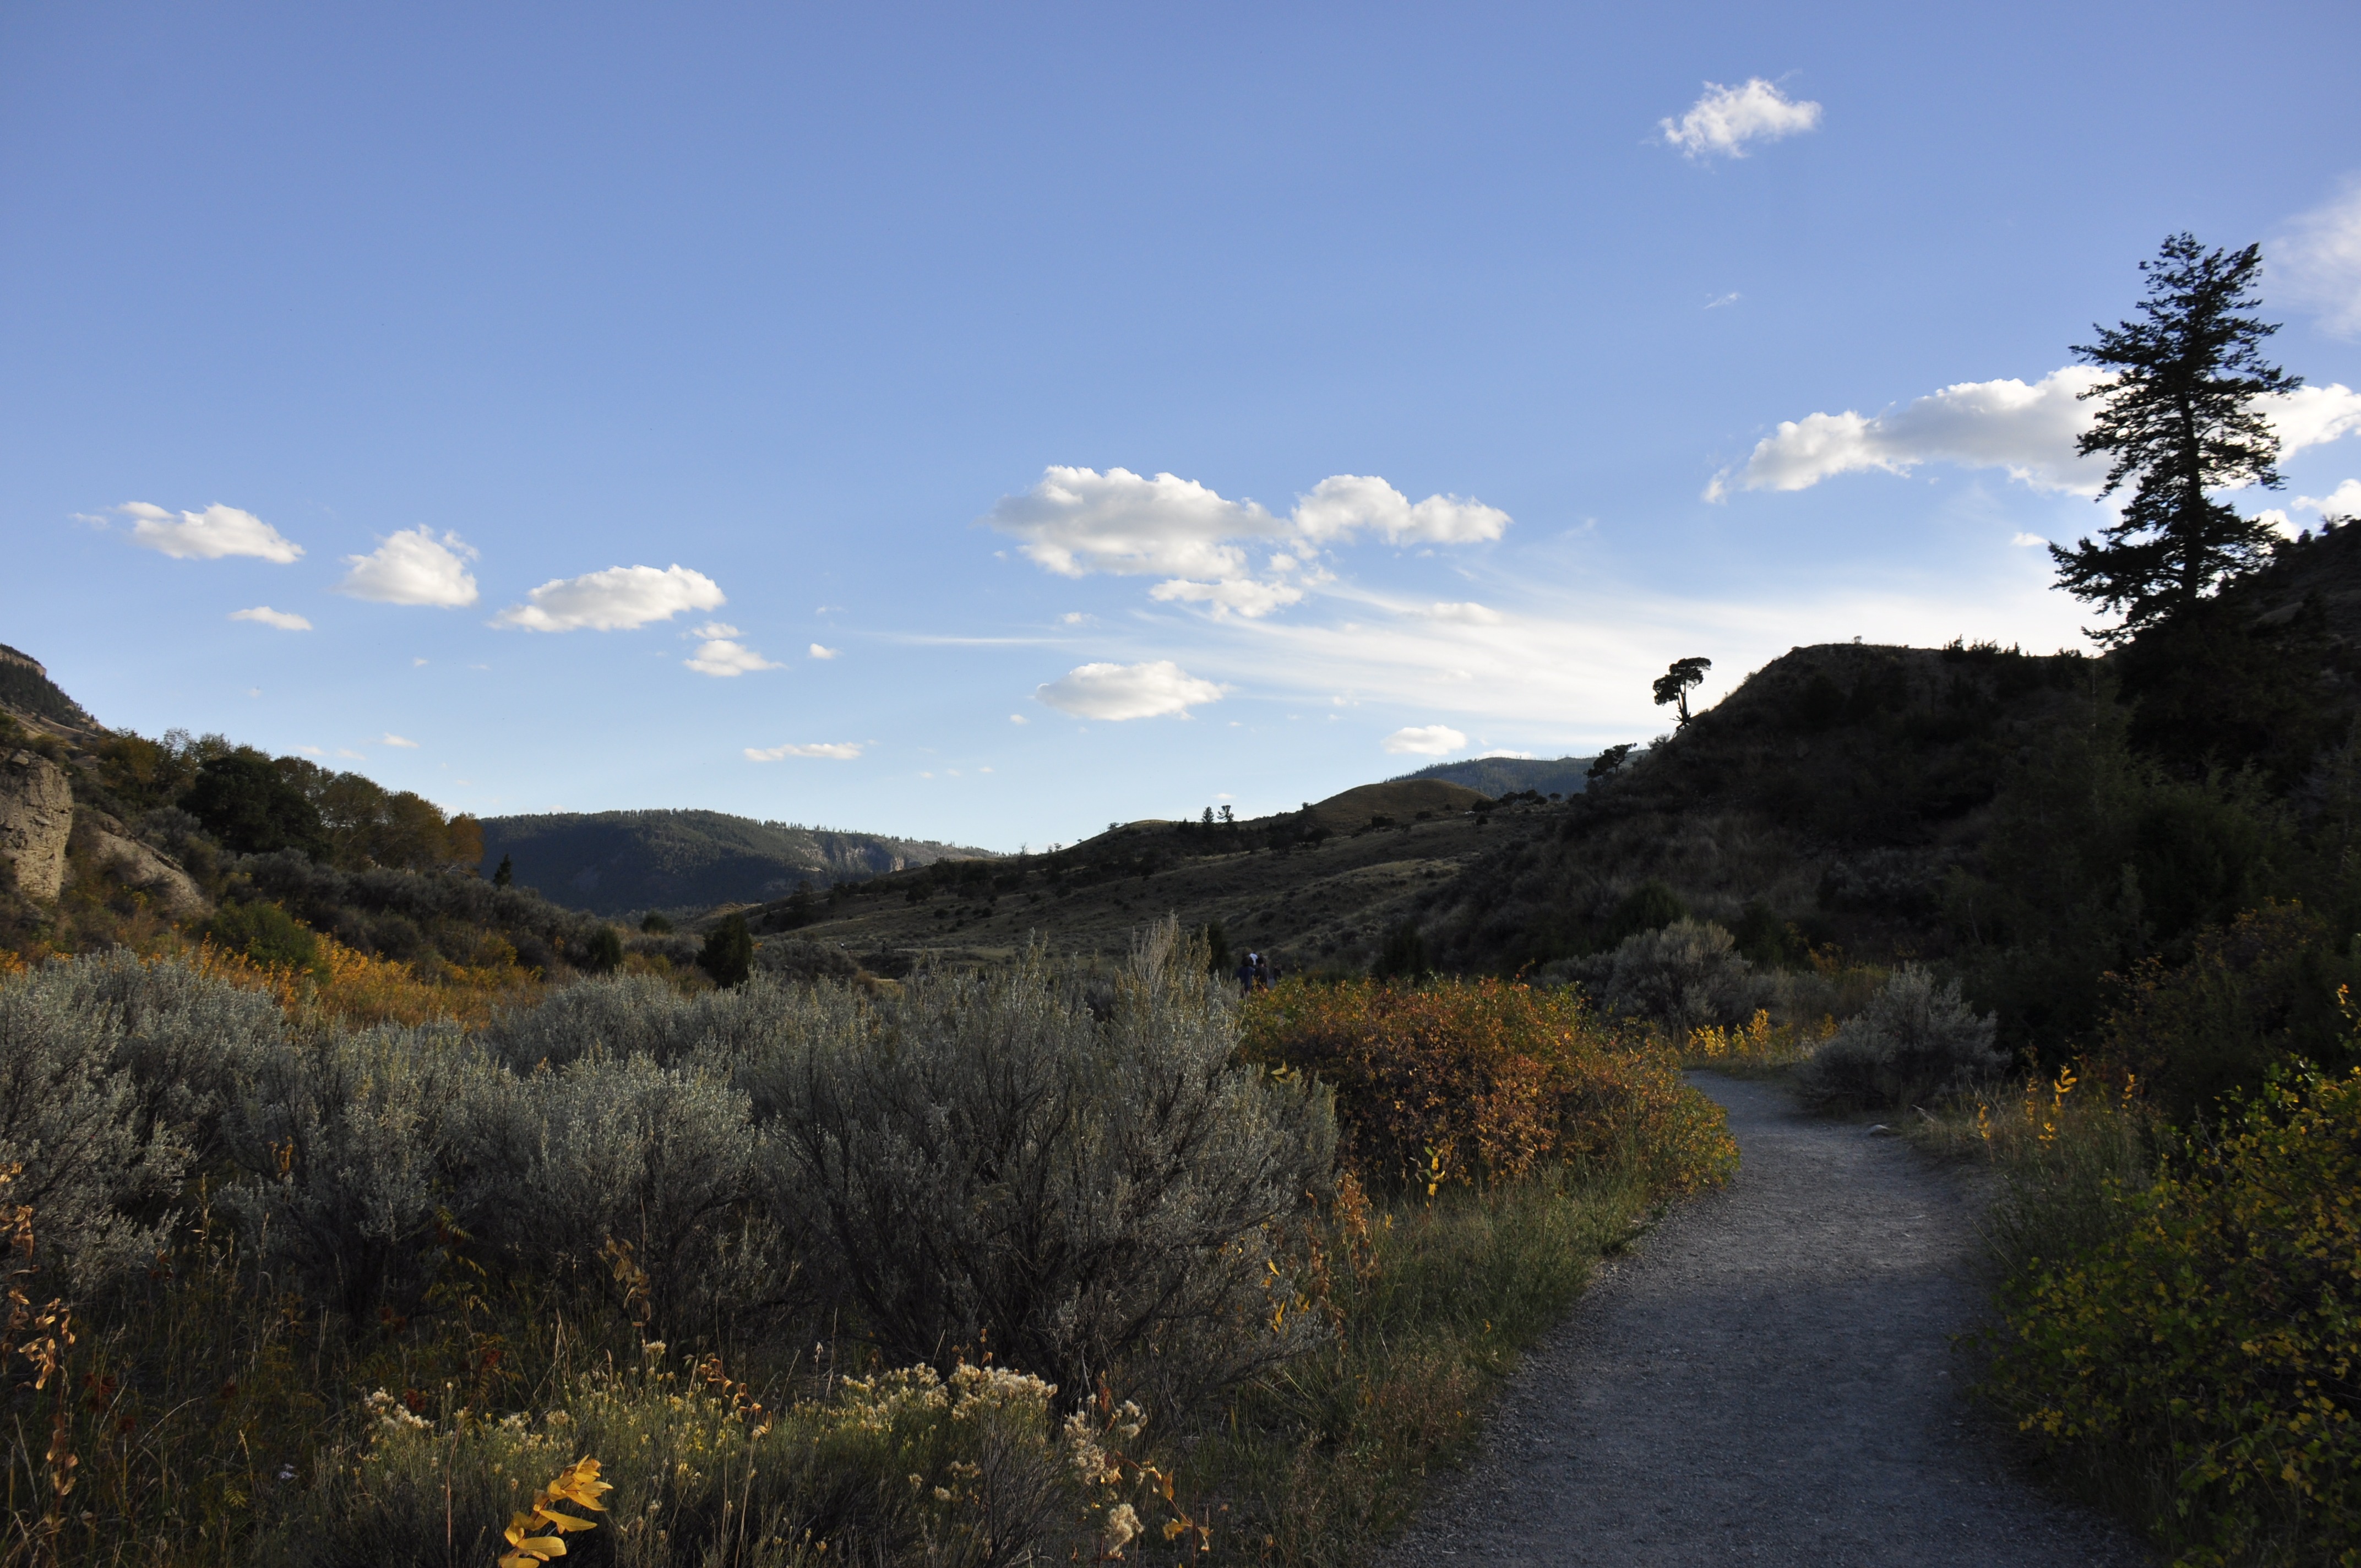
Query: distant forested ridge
point(613, 861)
point(1497, 776)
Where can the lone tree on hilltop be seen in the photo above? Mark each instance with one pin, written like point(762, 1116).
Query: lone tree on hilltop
point(1676, 684)
point(2178, 417)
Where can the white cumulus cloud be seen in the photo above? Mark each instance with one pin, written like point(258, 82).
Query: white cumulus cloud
point(819, 652)
point(413, 568)
point(1075, 522)
point(835, 751)
point(262, 614)
point(207, 535)
point(391, 739)
point(2027, 430)
point(1425, 741)
point(617, 600)
point(1344, 504)
point(1126, 691)
point(725, 656)
point(2344, 501)
point(1726, 118)
point(2316, 264)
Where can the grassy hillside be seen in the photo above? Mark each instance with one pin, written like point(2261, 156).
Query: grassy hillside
point(1497, 776)
point(615, 861)
point(1320, 887)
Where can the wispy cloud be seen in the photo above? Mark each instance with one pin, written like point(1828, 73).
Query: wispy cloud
point(1722, 121)
point(1108, 691)
point(263, 615)
point(1076, 522)
point(834, 750)
point(2029, 431)
point(207, 535)
point(617, 600)
point(413, 568)
point(1425, 741)
point(2316, 263)
point(391, 739)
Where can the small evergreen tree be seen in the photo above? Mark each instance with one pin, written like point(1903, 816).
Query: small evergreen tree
point(653, 923)
point(505, 875)
point(606, 955)
point(729, 955)
point(1604, 765)
point(1403, 956)
point(2178, 417)
point(1676, 684)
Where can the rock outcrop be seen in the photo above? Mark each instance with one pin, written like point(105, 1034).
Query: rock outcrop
point(36, 819)
point(111, 847)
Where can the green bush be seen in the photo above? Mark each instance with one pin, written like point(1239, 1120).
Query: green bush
point(2202, 1359)
point(728, 953)
point(267, 933)
point(1916, 1040)
point(1683, 975)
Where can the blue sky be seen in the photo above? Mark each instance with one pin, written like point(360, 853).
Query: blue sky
point(985, 422)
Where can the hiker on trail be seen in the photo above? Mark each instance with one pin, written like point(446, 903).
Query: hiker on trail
point(1246, 975)
point(1266, 972)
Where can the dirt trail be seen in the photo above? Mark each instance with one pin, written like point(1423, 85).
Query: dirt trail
point(1766, 1378)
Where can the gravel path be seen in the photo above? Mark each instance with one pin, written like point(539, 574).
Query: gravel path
point(1766, 1378)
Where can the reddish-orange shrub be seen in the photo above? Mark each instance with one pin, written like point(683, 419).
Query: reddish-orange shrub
point(1476, 1081)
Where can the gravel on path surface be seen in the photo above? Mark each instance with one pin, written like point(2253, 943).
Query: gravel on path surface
point(1767, 1377)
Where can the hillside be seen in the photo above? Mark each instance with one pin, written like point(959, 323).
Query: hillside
point(611, 863)
point(27, 694)
point(1320, 887)
point(1497, 776)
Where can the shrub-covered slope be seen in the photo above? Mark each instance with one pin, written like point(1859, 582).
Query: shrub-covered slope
point(612, 861)
point(1836, 786)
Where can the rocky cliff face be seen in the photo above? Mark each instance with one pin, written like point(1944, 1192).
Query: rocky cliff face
point(111, 847)
point(36, 820)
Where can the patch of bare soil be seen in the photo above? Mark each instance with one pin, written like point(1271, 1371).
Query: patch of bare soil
point(1767, 1377)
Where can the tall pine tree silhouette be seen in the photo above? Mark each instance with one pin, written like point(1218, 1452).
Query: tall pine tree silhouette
point(2178, 417)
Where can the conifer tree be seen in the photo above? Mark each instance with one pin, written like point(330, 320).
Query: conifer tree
point(2178, 417)
point(1676, 684)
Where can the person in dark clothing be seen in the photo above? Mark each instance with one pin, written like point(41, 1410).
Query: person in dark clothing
point(1246, 975)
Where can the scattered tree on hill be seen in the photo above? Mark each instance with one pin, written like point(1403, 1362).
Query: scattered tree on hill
point(654, 925)
point(1676, 684)
point(2179, 419)
point(506, 873)
point(729, 955)
point(252, 807)
point(1606, 762)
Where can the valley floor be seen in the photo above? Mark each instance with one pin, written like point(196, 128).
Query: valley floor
point(1766, 1379)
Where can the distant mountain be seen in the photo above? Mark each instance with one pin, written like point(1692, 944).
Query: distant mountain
point(1497, 776)
point(613, 861)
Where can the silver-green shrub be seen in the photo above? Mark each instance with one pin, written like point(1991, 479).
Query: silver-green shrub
point(985, 1162)
point(1686, 976)
point(348, 1142)
point(185, 1038)
point(553, 1168)
point(96, 1171)
point(1914, 1040)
